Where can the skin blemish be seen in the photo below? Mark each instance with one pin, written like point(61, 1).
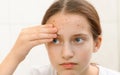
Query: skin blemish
point(55, 25)
point(78, 26)
point(53, 20)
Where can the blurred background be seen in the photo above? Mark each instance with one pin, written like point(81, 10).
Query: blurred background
point(18, 14)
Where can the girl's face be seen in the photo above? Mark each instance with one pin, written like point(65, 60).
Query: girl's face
point(71, 51)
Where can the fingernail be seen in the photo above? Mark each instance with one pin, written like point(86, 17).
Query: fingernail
point(55, 29)
point(55, 35)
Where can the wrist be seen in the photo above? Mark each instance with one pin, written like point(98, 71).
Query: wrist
point(9, 64)
point(15, 57)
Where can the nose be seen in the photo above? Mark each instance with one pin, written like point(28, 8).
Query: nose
point(67, 52)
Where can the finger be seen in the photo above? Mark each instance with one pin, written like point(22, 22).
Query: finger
point(41, 41)
point(33, 37)
point(45, 29)
point(43, 26)
point(49, 28)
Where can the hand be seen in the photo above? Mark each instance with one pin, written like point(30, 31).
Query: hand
point(28, 38)
point(32, 36)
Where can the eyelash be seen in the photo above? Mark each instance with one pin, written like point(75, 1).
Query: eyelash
point(77, 40)
point(54, 40)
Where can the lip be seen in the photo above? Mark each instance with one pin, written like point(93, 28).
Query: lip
point(68, 65)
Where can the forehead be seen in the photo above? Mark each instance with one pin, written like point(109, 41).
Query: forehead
point(71, 23)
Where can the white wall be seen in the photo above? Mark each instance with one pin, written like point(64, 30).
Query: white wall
point(119, 29)
point(109, 52)
point(17, 14)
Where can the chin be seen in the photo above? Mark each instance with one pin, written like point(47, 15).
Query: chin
point(68, 72)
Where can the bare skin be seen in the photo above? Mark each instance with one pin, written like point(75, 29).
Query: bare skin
point(71, 51)
point(69, 43)
point(28, 38)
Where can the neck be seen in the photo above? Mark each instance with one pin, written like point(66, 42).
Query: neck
point(85, 70)
point(90, 70)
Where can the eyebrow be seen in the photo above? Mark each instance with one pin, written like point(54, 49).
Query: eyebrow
point(79, 34)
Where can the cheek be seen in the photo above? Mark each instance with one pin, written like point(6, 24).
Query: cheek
point(84, 53)
point(52, 50)
point(53, 53)
point(83, 57)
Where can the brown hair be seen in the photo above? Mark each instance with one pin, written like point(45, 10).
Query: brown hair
point(76, 7)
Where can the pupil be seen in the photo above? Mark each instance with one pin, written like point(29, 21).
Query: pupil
point(54, 40)
point(78, 39)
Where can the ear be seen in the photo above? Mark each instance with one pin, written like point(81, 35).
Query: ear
point(97, 43)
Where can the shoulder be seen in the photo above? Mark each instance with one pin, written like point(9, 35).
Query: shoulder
point(106, 71)
point(43, 70)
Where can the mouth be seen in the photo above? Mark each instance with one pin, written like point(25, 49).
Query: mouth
point(68, 65)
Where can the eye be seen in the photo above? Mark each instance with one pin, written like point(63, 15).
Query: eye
point(78, 40)
point(55, 41)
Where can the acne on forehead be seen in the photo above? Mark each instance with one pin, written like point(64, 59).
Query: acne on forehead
point(62, 21)
point(55, 24)
point(78, 27)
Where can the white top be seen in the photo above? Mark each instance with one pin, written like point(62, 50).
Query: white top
point(48, 70)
